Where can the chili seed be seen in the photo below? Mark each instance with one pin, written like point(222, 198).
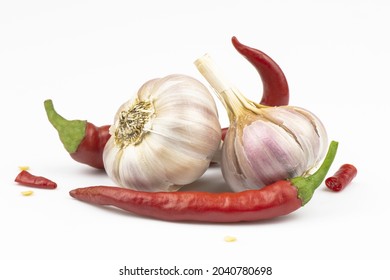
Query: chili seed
point(24, 167)
point(230, 239)
point(27, 193)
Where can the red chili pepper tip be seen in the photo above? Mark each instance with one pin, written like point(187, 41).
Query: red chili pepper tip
point(275, 86)
point(27, 179)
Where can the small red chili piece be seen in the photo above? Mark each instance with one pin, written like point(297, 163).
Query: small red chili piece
point(27, 179)
point(343, 176)
point(277, 199)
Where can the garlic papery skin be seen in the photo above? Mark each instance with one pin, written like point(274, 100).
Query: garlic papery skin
point(264, 144)
point(164, 137)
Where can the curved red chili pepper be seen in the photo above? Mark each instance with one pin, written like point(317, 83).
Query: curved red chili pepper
point(279, 198)
point(83, 140)
point(341, 178)
point(275, 86)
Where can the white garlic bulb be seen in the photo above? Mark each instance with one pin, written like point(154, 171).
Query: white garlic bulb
point(164, 137)
point(264, 144)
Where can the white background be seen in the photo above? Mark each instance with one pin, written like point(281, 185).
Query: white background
point(90, 56)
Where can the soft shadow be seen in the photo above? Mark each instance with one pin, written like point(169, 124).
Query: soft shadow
point(90, 171)
point(327, 190)
point(211, 181)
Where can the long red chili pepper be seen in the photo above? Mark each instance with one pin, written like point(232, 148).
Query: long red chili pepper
point(27, 179)
point(341, 178)
point(275, 86)
point(279, 198)
point(83, 140)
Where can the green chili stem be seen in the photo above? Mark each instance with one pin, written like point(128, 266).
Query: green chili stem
point(71, 132)
point(307, 185)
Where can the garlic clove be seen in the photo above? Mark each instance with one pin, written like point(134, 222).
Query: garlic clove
point(303, 127)
point(271, 152)
point(232, 171)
